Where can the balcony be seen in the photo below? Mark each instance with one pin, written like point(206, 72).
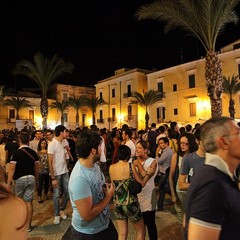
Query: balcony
point(100, 120)
point(127, 94)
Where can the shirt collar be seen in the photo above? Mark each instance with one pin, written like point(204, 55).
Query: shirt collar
point(219, 163)
point(23, 146)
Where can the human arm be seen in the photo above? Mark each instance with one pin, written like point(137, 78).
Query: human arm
point(87, 210)
point(182, 184)
point(51, 170)
point(11, 174)
point(196, 231)
point(145, 175)
point(173, 167)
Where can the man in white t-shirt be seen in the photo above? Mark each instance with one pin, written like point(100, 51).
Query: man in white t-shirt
point(127, 135)
point(59, 172)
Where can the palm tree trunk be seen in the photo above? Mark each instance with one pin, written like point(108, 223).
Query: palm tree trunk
point(17, 115)
point(214, 79)
point(93, 118)
point(231, 108)
point(44, 111)
point(146, 120)
point(77, 119)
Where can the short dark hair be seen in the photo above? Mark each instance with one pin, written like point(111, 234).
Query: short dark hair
point(24, 138)
point(86, 141)
point(124, 152)
point(165, 140)
point(128, 132)
point(59, 129)
point(188, 127)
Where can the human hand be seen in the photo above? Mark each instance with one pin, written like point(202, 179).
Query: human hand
point(110, 189)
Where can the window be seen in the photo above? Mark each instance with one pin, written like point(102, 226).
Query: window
point(174, 87)
point(191, 79)
point(65, 117)
point(100, 95)
point(160, 88)
point(129, 110)
point(238, 69)
point(175, 111)
point(114, 114)
point(84, 119)
point(101, 114)
point(113, 93)
point(12, 113)
point(192, 109)
point(161, 113)
point(31, 115)
point(129, 90)
point(65, 97)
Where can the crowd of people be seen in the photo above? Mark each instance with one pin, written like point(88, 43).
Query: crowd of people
point(196, 166)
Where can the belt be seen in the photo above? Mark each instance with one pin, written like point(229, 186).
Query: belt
point(27, 176)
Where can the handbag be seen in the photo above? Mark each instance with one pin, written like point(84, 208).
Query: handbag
point(134, 186)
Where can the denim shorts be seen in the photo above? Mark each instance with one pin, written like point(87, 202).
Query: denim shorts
point(25, 187)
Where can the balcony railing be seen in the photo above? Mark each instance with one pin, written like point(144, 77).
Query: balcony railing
point(127, 94)
point(100, 120)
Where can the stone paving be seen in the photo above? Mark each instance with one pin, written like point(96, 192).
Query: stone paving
point(44, 229)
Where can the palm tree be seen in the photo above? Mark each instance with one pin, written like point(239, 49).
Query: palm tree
point(93, 103)
point(205, 19)
point(61, 106)
point(3, 92)
point(231, 86)
point(44, 72)
point(76, 103)
point(17, 103)
point(146, 100)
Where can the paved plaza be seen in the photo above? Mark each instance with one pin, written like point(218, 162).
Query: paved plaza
point(44, 229)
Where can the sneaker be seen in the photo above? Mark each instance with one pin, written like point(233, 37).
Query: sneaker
point(56, 220)
point(63, 215)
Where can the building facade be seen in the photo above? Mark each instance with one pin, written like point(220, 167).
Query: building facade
point(56, 92)
point(117, 92)
point(183, 88)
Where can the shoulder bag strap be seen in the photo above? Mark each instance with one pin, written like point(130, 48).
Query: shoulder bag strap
point(29, 154)
point(131, 173)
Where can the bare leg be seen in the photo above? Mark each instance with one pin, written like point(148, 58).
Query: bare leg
point(122, 229)
point(139, 229)
point(30, 212)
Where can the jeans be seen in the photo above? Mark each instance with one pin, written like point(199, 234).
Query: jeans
point(61, 189)
point(43, 181)
point(149, 221)
point(25, 187)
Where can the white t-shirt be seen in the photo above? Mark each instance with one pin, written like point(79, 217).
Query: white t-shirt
point(59, 160)
point(132, 146)
point(147, 197)
point(65, 144)
point(102, 156)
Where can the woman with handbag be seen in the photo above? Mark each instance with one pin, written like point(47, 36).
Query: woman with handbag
point(147, 197)
point(126, 203)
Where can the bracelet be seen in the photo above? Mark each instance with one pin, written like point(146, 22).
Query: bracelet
point(148, 175)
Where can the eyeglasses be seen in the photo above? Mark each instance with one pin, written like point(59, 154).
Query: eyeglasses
point(184, 143)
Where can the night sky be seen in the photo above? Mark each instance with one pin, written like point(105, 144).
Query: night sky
point(97, 36)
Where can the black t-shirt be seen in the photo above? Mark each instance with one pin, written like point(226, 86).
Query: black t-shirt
point(214, 198)
point(11, 147)
point(24, 163)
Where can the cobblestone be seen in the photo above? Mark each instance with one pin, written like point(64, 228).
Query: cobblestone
point(44, 229)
